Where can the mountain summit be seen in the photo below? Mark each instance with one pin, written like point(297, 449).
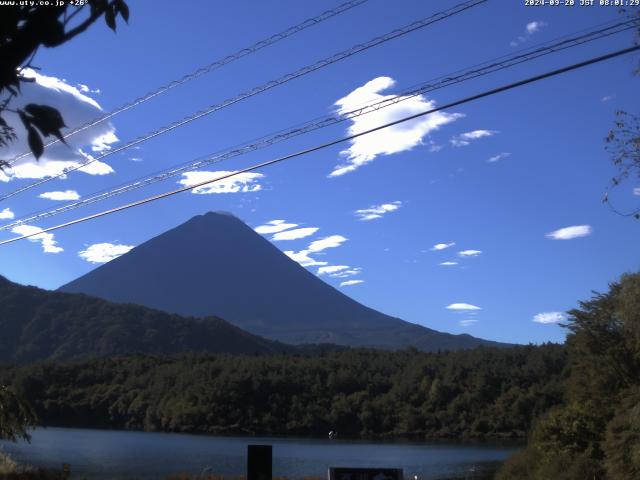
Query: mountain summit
point(214, 264)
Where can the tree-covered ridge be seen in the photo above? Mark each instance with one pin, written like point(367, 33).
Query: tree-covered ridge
point(595, 433)
point(475, 393)
point(37, 324)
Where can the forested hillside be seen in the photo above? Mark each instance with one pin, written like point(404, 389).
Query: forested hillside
point(595, 433)
point(484, 392)
point(36, 324)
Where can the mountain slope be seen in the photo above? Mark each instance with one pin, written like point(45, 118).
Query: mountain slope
point(214, 264)
point(38, 324)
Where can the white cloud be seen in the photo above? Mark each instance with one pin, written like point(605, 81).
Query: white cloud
point(462, 306)
point(332, 241)
point(377, 211)
point(339, 271)
point(274, 226)
point(76, 108)
point(85, 88)
point(65, 195)
point(607, 98)
point(303, 258)
point(530, 29)
point(469, 253)
point(332, 269)
point(499, 157)
point(468, 322)
point(96, 167)
point(294, 234)
point(395, 139)
point(7, 214)
point(243, 182)
point(350, 282)
point(136, 159)
point(49, 245)
point(103, 252)
point(549, 317)
point(465, 139)
point(568, 233)
point(348, 273)
point(636, 191)
point(442, 246)
point(448, 264)
point(533, 27)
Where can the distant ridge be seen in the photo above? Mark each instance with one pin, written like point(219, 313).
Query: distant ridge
point(214, 264)
point(37, 324)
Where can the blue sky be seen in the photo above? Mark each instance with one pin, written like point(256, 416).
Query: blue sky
point(490, 181)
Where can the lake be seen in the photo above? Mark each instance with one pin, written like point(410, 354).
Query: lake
point(107, 454)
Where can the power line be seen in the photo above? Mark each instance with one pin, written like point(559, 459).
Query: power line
point(208, 69)
point(264, 87)
point(485, 68)
point(331, 143)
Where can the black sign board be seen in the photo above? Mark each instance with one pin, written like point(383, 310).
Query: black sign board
point(365, 474)
point(259, 459)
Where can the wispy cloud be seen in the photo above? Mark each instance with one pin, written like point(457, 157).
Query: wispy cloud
point(339, 271)
point(568, 233)
point(347, 273)
point(534, 27)
point(529, 31)
point(49, 245)
point(636, 191)
point(274, 226)
point(332, 241)
point(467, 322)
point(549, 317)
point(332, 269)
point(302, 257)
point(60, 195)
point(86, 89)
point(448, 264)
point(103, 252)
point(377, 211)
point(498, 157)
point(348, 283)
point(77, 109)
point(469, 253)
point(462, 307)
point(442, 246)
point(241, 183)
point(7, 214)
point(294, 234)
point(388, 141)
point(607, 98)
point(465, 139)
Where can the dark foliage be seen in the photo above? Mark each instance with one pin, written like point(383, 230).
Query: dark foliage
point(595, 434)
point(16, 416)
point(486, 392)
point(37, 324)
point(23, 29)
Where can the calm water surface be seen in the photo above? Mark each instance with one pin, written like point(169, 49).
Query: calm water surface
point(105, 454)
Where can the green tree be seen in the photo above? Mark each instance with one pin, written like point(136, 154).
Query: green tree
point(623, 143)
point(596, 432)
point(16, 416)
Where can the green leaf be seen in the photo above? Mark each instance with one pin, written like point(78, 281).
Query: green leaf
point(35, 142)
